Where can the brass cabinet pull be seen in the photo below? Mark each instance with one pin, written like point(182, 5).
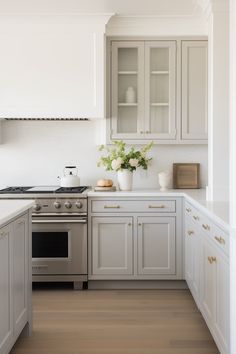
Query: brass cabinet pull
point(190, 232)
point(139, 224)
point(3, 234)
point(220, 240)
point(156, 206)
point(111, 206)
point(188, 210)
point(206, 227)
point(211, 259)
point(129, 224)
point(196, 217)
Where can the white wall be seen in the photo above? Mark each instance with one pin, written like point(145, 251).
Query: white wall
point(34, 153)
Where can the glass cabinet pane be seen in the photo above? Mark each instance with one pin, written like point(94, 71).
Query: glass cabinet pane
point(126, 99)
point(160, 93)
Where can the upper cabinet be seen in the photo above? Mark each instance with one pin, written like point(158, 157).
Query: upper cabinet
point(157, 90)
point(143, 90)
point(194, 90)
point(59, 71)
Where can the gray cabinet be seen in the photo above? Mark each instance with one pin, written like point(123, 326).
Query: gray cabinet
point(147, 68)
point(207, 272)
point(20, 245)
point(168, 83)
point(156, 245)
point(194, 90)
point(15, 281)
point(135, 238)
point(6, 322)
point(112, 245)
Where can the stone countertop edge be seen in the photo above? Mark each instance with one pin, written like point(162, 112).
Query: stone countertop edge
point(217, 211)
point(9, 209)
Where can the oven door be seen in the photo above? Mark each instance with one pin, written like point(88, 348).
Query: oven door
point(59, 245)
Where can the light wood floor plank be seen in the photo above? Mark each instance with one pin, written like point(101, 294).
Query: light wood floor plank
point(116, 322)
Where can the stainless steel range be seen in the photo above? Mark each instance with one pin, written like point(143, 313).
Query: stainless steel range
point(59, 232)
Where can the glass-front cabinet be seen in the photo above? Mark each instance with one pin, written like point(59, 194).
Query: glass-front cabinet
point(143, 85)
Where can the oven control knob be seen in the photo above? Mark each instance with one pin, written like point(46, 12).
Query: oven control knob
point(79, 205)
point(68, 205)
point(57, 205)
point(36, 207)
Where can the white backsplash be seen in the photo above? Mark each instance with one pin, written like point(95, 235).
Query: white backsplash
point(34, 153)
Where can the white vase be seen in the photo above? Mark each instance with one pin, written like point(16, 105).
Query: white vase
point(125, 180)
point(164, 180)
point(130, 96)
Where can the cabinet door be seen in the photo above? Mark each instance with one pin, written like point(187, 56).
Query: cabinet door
point(192, 259)
point(222, 302)
point(127, 92)
point(112, 245)
point(160, 83)
point(194, 90)
point(156, 245)
point(6, 323)
point(208, 283)
point(20, 273)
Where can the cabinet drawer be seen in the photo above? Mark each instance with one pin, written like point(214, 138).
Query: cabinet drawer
point(122, 206)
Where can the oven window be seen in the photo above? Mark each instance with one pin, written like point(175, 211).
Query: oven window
point(50, 244)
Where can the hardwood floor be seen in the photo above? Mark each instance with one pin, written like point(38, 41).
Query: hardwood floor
point(115, 322)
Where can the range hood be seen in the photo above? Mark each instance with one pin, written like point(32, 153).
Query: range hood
point(53, 66)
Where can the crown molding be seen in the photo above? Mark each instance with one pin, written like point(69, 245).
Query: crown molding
point(211, 7)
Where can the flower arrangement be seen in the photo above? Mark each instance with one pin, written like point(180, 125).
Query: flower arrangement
point(118, 158)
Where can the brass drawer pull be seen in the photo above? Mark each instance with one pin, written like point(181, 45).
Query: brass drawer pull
point(196, 217)
point(156, 206)
point(111, 206)
point(190, 232)
point(220, 240)
point(206, 227)
point(139, 224)
point(188, 210)
point(211, 259)
point(129, 224)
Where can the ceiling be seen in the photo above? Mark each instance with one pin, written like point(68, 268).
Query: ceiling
point(120, 7)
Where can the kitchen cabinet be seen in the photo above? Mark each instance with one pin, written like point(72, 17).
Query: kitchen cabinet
point(6, 305)
point(156, 245)
point(168, 81)
point(194, 90)
point(208, 244)
point(192, 259)
point(20, 243)
point(15, 283)
point(112, 245)
point(148, 69)
point(135, 239)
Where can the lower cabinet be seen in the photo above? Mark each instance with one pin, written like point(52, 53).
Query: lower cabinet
point(20, 273)
point(207, 273)
point(6, 323)
point(156, 245)
point(112, 245)
point(15, 309)
point(215, 294)
point(135, 239)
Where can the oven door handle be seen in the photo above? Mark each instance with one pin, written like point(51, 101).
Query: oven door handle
point(64, 221)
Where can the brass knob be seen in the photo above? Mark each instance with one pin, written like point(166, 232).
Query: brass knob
point(211, 259)
point(190, 232)
point(188, 210)
point(206, 227)
point(220, 240)
point(196, 217)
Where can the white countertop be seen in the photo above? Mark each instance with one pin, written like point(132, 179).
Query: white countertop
point(218, 211)
point(9, 209)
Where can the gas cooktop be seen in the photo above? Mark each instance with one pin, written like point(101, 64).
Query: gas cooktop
point(42, 189)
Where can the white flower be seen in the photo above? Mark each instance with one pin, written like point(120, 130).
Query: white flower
point(116, 164)
point(134, 162)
